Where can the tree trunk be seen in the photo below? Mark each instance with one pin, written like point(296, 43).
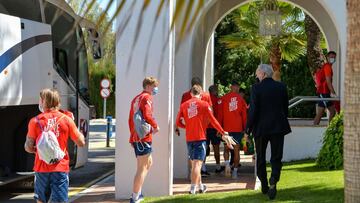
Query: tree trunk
point(352, 102)
point(275, 59)
point(315, 56)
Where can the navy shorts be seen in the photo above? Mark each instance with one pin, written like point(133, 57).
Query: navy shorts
point(237, 136)
point(324, 104)
point(142, 148)
point(197, 150)
point(212, 137)
point(52, 186)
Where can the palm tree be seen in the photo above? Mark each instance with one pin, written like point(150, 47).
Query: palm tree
point(315, 43)
point(352, 102)
point(287, 46)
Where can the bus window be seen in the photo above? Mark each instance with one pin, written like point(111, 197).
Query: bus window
point(64, 39)
point(83, 75)
point(61, 61)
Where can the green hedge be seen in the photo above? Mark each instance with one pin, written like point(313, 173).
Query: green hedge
point(331, 153)
point(98, 71)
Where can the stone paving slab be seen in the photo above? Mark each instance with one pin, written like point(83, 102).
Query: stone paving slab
point(104, 191)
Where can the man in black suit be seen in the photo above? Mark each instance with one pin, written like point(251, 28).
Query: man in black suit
point(267, 120)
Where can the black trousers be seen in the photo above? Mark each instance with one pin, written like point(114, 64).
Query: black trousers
point(277, 145)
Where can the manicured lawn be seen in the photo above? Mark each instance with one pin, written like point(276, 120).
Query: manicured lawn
point(300, 182)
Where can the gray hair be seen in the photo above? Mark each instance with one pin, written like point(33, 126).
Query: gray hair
point(267, 69)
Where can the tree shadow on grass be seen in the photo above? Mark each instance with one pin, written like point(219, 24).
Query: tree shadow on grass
point(305, 168)
point(311, 193)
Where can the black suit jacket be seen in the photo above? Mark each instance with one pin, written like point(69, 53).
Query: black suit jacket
point(268, 112)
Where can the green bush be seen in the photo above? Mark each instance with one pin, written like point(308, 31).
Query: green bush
point(331, 153)
point(98, 71)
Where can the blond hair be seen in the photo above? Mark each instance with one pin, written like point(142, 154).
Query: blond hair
point(196, 90)
point(51, 98)
point(150, 81)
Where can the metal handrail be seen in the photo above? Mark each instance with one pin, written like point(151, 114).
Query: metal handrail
point(299, 99)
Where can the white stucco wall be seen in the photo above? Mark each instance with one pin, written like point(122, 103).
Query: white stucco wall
point(302, 143)
point(129, 77)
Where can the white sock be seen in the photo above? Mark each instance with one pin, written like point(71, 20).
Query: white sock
point(235, 169)
point(203, 167)
point(227, 163)
point(193, 189)
point(135, 195)
point(218, 166)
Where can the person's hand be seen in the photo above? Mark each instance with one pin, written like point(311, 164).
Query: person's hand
point(33, 150)
point(333, 95)
point(229, 140)
point(246, 137)
point(177, 131)
point(156, 130)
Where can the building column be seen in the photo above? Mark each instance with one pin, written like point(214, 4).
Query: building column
point(209, 64)
point(137, 56)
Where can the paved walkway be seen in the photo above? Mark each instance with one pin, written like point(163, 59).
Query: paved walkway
point(104, 191)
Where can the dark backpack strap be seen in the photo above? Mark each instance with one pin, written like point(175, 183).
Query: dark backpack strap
point(38, 121)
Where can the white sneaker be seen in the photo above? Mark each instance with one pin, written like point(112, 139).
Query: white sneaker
point(234, 175)
point(227, 171)
point(140, 199)
point(204, 189)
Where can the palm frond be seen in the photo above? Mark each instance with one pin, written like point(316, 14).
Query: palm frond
point(186, 19)
point(117, 12)
point(291, 48)
point(178, 10)
point(159, 9)
point(196, 14)
point(140, 21)
point(103, 14)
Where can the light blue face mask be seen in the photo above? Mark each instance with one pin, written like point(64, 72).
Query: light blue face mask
point(155, 91)
point(332, 60)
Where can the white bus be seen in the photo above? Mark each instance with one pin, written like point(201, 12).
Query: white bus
point(35, 54)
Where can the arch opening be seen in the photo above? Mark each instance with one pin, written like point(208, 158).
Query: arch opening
point(202, 65)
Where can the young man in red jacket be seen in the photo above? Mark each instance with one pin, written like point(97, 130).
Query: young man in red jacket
point(204, 96)
point(194, 116)
point(142, 147)
point(51, 180)
point(233, 119)
point(324, 88)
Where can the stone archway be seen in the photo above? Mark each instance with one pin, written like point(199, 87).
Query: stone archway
point(218, 9)
point(198, 49)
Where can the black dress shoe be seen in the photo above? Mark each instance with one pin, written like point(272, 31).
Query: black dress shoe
point(272, 192)
point(222, 168)
point(264, 189)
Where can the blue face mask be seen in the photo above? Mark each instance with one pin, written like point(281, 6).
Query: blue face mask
point(155, 91)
